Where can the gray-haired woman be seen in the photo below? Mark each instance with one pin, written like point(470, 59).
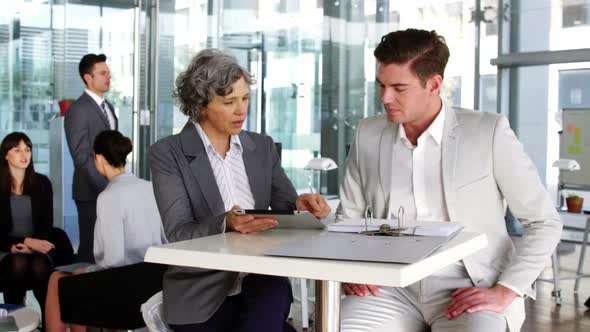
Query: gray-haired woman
point(200, 175)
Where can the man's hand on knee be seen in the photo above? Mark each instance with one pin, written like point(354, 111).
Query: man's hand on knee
point(473, 299)
point(361, 289)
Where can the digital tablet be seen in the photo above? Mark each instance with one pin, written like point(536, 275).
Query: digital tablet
point(287, 218)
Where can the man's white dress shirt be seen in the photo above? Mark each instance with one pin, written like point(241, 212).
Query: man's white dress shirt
point(110, 113)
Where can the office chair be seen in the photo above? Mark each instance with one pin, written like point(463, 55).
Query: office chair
point(151, 311)
point(130, 286)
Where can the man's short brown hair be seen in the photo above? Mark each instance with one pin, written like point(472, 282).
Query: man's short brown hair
point(87, 64)
point(426, 50)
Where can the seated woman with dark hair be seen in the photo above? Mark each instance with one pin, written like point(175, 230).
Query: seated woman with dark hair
point(27, 248)
point(127, 224)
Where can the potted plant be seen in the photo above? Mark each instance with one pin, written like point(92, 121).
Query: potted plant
point(64, 104)
point(574, 203)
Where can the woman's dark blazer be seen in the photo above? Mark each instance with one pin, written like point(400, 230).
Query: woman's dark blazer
point(42, 205)
point(191, 206)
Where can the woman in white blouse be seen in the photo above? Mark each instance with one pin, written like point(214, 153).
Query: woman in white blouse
point(127, 224)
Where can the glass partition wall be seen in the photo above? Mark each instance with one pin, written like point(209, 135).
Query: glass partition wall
point(544, 65)
point(312, 60)
point(26, 75)
point(41, 44)
point(314, 66)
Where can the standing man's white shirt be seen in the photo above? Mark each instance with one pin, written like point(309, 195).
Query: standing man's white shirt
point(110, 113)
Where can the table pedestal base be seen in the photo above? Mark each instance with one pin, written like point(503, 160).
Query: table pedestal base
point(327, 307)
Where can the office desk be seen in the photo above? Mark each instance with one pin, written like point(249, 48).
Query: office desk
point(245, 253)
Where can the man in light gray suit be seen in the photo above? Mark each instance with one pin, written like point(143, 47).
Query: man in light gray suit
point(90, 114)
point(442, 164)
point(199, 176)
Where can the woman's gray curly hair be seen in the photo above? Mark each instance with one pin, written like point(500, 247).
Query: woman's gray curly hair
point(210, 73)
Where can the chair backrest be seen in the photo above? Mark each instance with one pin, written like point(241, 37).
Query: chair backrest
point(151, 311)
point(27, 319)
point(64, 252)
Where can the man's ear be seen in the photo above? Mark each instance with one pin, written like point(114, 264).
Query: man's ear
point(87, 78)
point(434, 84)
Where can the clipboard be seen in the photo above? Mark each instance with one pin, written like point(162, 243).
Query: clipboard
point(287, 218)
point(357, 247)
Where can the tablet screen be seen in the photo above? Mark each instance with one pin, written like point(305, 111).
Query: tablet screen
point(287, 218)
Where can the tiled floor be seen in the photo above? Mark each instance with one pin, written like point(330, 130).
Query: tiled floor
point(543, 315)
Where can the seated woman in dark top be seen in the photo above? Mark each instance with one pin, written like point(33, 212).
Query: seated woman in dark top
point(27, 252)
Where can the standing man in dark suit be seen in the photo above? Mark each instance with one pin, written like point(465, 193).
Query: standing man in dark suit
point(88, 116)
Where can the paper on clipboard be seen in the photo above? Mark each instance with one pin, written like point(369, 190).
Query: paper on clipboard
point(420, 228)
point(356, 247)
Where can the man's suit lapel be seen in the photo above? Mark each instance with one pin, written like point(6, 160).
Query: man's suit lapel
point(388, 136)
point(194, 150)
point(254, 167)
point(450, 147)
point(97, 109)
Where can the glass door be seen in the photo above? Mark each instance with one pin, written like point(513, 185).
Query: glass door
point(26, 77)
point(41, 44)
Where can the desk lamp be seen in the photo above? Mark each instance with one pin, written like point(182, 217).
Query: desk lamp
point(317, 165)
